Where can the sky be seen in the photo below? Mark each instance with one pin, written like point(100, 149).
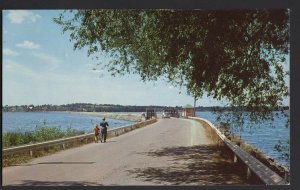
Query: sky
point(39, 67)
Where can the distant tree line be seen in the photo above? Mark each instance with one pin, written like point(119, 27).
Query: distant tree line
point(80, 107)
point(88, 107)
point(221, 109)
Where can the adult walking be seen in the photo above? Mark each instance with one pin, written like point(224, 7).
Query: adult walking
point(104, 126)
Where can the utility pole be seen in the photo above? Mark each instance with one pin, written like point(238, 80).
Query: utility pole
point(195, 106)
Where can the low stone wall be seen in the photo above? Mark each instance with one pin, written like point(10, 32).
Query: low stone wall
point(121, 130)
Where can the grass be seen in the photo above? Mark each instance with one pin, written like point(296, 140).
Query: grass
point(40, 134)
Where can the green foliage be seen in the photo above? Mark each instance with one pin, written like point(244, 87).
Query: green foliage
point(10, 139)
point(44, 133)
point(40, 134)
point(284, 148)
point(233, 55)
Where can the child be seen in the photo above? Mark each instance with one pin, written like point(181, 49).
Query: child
point(96, 131)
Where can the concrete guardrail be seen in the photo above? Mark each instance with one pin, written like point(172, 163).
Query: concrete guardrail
point(85, 137)
point(254, 166)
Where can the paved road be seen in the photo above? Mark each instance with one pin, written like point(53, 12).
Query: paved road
point(168, 152)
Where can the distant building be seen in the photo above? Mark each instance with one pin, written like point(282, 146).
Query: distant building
point(171, 112)
point(150, 113)
point(188, 111)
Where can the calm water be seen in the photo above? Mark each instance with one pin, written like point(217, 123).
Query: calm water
point(27, 121)
point(263, 136)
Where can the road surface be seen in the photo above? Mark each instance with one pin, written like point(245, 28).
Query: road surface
point(169, 152)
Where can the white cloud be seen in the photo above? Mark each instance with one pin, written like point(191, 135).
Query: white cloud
point(9, 52)
point(12, 68)
point(19, 16)
point(19, 69)
point(47, 58)
point(28, 45)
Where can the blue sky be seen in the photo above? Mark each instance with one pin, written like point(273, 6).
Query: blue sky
point(40, 67)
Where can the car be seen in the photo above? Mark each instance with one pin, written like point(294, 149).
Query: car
point(165, 115)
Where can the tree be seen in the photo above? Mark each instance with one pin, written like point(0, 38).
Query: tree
point(235, 55)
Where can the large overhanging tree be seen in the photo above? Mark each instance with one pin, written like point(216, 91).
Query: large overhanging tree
point(235, 55)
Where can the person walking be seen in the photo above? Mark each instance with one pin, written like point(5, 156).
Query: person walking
point(96, 131)
point(104, 126)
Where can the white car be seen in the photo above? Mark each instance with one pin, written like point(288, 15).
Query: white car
point(165, 115)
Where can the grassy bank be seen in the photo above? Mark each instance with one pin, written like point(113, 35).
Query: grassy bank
point(40, 134)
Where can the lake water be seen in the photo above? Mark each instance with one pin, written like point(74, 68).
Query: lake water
point(262, 136)
point(27, 121)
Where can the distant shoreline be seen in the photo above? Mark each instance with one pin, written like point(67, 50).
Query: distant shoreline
point(135, 117)
point(109, 108)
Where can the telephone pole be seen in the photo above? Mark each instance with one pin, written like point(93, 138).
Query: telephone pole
point(195, 106)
